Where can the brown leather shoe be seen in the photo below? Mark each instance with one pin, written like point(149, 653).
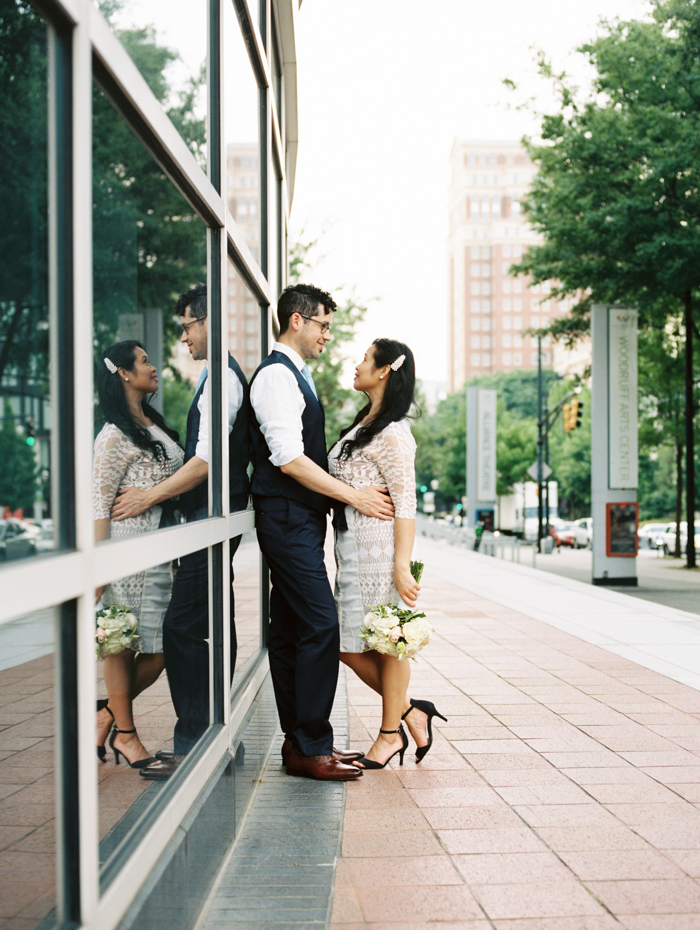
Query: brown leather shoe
point(342, 755)
point(322, 768)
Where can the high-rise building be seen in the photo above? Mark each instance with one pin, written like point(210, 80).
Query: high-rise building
point(490, 309)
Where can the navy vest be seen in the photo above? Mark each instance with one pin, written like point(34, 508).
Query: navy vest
point(238, 451)
point(270, 481)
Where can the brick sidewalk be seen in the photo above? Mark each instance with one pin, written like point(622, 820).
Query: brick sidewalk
point(562, 794)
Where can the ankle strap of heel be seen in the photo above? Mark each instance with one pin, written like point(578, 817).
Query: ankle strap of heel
point(397, 730)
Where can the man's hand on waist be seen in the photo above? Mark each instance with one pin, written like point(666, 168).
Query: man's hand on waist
point(130, 502)
point(374, 502)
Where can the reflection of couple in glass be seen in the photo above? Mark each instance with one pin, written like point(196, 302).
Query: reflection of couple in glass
point(372, 487)
point(139, 468)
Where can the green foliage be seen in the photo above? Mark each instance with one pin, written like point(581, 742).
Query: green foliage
point(177, 398)
point(19, 472)
point(340, 403)
point(516, 449)
point(570, 456)
point(441, 453)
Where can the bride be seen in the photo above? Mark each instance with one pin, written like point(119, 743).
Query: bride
point(374, 556)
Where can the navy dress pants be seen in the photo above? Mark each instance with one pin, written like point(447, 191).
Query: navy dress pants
point(303, 638)
point(186, 647)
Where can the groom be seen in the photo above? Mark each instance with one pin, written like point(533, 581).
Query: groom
point(186, 623)
point(291, 492)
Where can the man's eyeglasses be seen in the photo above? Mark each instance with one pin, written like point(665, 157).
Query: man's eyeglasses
point(186, 326)
point(325, 327)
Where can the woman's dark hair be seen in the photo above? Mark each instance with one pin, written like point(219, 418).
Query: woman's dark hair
point(115, 409)
point(398, 399)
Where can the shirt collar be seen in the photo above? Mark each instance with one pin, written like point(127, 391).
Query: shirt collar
point(291, 354)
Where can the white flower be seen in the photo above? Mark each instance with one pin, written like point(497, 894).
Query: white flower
point(395, 634)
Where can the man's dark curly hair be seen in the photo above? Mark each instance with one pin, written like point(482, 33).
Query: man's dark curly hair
point(195, 299)
point(303, 299)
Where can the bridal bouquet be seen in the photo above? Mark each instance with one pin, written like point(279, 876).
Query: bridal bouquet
point(396, 631)
point(116, 630)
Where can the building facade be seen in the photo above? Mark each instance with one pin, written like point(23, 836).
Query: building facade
point(137, 160)
point(489, 309)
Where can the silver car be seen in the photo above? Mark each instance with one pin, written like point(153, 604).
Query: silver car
point(16, 542)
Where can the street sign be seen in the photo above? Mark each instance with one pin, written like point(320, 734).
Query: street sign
point(546, 471)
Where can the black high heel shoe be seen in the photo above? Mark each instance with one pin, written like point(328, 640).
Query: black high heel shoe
point(371, 764)
point(101, 749)
point(139, 764)
point(428, 708)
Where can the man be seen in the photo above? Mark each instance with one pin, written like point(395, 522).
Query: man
point(291, 491)
point(186, 623)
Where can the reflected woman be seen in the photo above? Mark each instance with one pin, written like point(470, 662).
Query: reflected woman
point(135, 448)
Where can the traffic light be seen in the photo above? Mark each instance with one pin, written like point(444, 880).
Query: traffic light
point(576, 413)
point(566, 416)
point(29, 433)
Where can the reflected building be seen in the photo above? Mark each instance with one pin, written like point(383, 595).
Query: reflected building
point(489, 309)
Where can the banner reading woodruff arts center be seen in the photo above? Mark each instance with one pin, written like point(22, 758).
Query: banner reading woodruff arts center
point(486, 445)
point(622, 387)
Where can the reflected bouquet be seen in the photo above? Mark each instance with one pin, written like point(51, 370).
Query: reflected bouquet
point(396, 631)
point(116, 630)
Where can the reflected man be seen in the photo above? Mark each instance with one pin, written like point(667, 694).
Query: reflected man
point(186, 624)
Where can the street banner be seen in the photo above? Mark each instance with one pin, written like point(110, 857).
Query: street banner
point(486, 445)
point(622, 388)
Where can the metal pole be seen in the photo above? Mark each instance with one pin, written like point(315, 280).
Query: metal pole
point(540, 439)
point(546, 480)
point(689, 437)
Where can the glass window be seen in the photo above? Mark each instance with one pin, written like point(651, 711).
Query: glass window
point(517, 251)
point(26, 410)
point(486, 251)
point(485, 342)
point(506, 358)
point(507, 322)
point(534, 356)
point(506, 253)
point(485, 208)
point(474, 208)
point(517, 286)
point(28, 840)
point(506, 268)
point(535, 321)
point(517, 304)
point(506, 304)
point(167, 41)
point(485, 287)
point(506, 340)
point(475, 270)
point(475, 306)
point(517, 358)
point(485, 359)
point(485, 306)
point(475, 287)
point(242, 132)
point(517, 322)
point(517, 340)
point(476, 342)
point(476, 323)
point(485, 271)
point(495, 203)
point(507, 286)
point(475, 251)
point(486, 324)
point(475, 359)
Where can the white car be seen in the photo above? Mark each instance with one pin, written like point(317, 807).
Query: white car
point(583, 533)
point(651, 535)
point(668, 539)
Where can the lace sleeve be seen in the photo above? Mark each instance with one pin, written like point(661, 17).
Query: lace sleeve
point(109, 466)
point(395, 459)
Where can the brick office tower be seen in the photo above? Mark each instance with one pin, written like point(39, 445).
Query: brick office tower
point(488, 308)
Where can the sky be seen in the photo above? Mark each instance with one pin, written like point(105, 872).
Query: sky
point(385, 87)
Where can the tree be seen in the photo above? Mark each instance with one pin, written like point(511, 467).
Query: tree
point(19, 473)
point(616, 197)
point(339, 403)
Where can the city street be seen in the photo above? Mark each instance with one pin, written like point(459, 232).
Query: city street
point(661, 579)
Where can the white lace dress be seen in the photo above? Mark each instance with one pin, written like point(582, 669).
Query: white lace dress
point(119, 463)
point(365, 551)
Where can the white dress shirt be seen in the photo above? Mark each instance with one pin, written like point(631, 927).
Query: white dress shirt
point(235, 399)
point(278, 404)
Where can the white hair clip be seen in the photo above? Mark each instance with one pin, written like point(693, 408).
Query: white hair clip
point(397, 363)
point(111, 367)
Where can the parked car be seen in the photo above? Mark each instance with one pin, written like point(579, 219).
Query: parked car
point(16, 542)
point(583, 533)
point(668, 538)
point(651, 535)
point(566, 534)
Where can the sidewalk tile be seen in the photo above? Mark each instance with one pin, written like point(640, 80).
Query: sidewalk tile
point(408, 872)
point(384, 845)
point(431, 903)
point(648, 896)
point(490, 840)
point(505, 868)
point(633, 864)
point(553, 899)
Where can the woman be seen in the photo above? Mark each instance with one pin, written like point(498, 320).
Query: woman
point(374, 556)
point(135, 448)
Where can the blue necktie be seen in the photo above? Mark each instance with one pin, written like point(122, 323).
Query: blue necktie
point(309, 380)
